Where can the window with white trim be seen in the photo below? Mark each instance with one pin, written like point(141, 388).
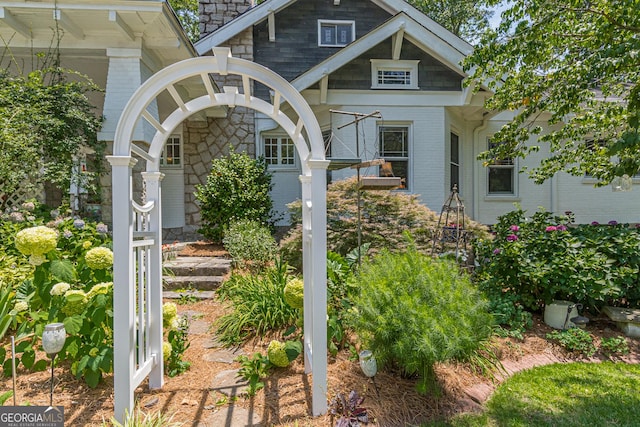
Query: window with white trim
point(172, 152)
point(336, 33)
point(279, 152)
point(394, 149)
point(500, 175)
point(454, 161)
point(388, 74)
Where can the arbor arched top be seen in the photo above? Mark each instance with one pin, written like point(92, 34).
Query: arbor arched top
point(221, 63)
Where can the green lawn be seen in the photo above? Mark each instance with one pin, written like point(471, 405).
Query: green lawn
point(573, 394)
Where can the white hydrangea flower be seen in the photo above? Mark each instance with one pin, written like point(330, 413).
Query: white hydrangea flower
point(21, 306)
point(60, 289)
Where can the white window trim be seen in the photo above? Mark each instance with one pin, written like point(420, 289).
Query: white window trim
point(390, 65)
point(164, 152)
point(335, 22)
point(280, 167)
point(513, 167)
point(409, 158)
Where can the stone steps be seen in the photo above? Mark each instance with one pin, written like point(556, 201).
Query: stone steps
point(197, 275)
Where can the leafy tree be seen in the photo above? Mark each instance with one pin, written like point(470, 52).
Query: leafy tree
point(467, 19)
point(46, 122)
point(189, 17)
point(571, 67)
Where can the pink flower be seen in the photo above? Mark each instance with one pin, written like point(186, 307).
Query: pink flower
point(561, 227)
point(496, 251)
point(551, 228)
point(512, 238)
point(613, 222)
point(514, 228)
point(595, 223)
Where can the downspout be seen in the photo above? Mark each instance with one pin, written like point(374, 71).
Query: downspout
point(476, 178)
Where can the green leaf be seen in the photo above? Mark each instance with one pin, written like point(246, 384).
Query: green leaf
point(5, 396)
point(293, 349)
point(63, 270)
point(40, 365)
point(28, 358)
point(82, 364)
point(72, 324)
point(92, 378)
point(7, 367)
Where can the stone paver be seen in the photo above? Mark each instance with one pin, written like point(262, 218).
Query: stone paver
point(231, 416)
point(228, 383)
point(223, 355)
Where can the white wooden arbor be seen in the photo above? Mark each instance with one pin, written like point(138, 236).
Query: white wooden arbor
point(137, 229)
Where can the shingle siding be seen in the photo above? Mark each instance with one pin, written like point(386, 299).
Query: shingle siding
point(432, 75)
point(296, 47)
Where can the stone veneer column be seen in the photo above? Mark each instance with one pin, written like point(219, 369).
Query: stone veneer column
point(205, 141)
point(210, 139)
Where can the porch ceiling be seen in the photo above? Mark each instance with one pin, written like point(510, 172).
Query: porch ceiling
point(150, 25)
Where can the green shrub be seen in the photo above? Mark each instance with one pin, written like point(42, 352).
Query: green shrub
point(250, 244)
point(413, 311)
point(532, 262)
point(385, 216)
point(257, 304)
point(237, 188)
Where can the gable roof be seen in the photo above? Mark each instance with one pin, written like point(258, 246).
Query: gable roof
point(402, 26)
point(261, 12)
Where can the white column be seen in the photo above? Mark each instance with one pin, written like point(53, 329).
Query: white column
point(152, 182)
point(124, 77)
point(306, 273)
point(124, 341)
point(319, 283)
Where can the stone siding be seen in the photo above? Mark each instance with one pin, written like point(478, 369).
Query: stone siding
point(205, 141)
point(215, 13)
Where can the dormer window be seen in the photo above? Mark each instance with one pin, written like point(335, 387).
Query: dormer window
point(336, 33)
point(388, 74)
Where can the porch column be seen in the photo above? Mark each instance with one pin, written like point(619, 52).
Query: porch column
point(152, 182)
point(124, 342)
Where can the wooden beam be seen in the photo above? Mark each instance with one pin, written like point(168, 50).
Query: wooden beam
point(67, 24)
point(324, 86)
point(398, 37)
point(8, 19)
point(117, 20)
point(272, 26)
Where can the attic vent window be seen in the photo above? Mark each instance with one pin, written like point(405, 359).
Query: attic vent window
point(336, 33)
point(387, 74)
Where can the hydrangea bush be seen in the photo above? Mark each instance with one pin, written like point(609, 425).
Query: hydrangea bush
point(65, 275)
point(532, 261)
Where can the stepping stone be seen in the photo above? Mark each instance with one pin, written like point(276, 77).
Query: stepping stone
point(223, 355)
point(190, 294)
point(212, 343)
point(199, 327)
point(229, 383)
point(232, 416)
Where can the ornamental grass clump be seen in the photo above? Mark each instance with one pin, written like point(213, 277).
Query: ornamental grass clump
point(257, 304)
point(413, 311)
